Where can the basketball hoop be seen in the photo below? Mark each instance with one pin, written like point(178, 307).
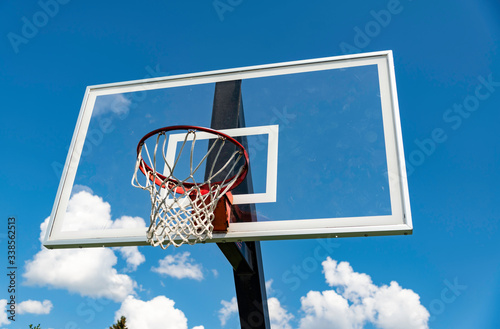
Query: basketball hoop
point(182, 210)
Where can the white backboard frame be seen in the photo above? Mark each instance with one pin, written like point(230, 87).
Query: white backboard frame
point(399, 222)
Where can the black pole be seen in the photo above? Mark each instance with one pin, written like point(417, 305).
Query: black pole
point(245, 257)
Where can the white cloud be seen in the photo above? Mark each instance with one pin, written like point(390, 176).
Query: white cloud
point(117, 104)
point(3, 312)
point(357, 301)
point(127, 222)
point(199, 327)
point(328, 309)
point(88, 272)
point(35, 307)
point(158, 312)
point(227, 310)
point(179, 266)
point(132, 256)
point(269, 288)
point(87, 211)
point(354, 285)
point(278, 316)
point(398, 308)
point(78, 188)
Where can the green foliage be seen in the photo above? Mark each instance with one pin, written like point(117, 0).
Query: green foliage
point(37, 327)
point(120, 324)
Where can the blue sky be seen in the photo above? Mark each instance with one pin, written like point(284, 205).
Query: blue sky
point(448, 77)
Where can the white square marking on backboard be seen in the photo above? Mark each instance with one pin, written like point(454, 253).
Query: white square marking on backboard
point(272, 158)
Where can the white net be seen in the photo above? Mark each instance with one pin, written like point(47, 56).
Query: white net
point(182, 210)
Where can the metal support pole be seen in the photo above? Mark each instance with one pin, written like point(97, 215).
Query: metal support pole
point(245, 257)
